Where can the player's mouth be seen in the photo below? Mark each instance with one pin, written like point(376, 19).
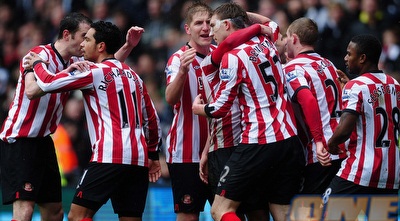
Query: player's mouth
point(205, 35)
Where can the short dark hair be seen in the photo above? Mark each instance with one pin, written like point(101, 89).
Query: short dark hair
point(71, 23)
point(369, 45)
point(109, 34)
point(234, 12)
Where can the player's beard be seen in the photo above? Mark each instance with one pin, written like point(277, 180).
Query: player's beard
point(350, 74)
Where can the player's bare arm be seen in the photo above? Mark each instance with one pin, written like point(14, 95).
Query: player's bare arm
point(133, 37)
point(342, 133)
point(204, 162)
point(32, 89)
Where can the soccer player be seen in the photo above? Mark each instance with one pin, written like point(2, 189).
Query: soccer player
point(370, 119)
point(225, 132)
point(29, 169)
point(29, 166)
point(188, 133)
point(122, 122)
point(269, 156)
point(314, 89)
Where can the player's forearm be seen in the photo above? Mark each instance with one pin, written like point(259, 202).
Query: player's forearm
point(32, 89)
point(174, 90)
point(344, 129)
point(123, 53)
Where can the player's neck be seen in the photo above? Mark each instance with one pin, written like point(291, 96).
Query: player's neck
point(305, 50)
point(202, 49)
point(104, 57)
point(62, 50)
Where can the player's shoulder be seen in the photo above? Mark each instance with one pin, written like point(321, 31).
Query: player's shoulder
point(43, 49)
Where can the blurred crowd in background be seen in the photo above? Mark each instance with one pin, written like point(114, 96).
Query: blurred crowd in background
point(27, 23)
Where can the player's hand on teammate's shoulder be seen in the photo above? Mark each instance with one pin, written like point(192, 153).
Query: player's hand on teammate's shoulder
point(29, 59)
point(80, 66)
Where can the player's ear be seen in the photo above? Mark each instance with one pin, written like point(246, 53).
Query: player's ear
point(295, 38)
point(187, 29)
point(101, 46)
point(66, 34)
point(362, 58)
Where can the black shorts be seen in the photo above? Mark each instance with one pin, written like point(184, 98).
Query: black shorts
point(29, 171)
point(317, 177)
point(125, 185)
point(275, 169)
point(343, 187)
point(216, 163)
point(189, 192)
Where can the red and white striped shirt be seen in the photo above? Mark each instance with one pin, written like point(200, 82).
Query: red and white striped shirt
point(224, 132)
point(122, 121)
point(312, 71)
point(38, 117)
point(252, 73)
point(373, 157)
point(188, 133)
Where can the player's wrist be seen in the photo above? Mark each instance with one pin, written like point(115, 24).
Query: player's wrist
point(37, 62)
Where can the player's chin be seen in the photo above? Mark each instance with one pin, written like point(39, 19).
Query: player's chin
point(80, 54)
point(205, 40)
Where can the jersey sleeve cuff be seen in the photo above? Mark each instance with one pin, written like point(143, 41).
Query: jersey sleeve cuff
point(153, 155)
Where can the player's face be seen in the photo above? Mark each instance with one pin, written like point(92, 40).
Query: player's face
point(77, 39)
point(290, 38)
point(89, 46)
point(281, 46)
point(218, 29)
point(351, 60)
point(199, 29)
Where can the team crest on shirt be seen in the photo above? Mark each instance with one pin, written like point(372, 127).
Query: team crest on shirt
point(74, 72)
point(168, 71)
point(293, 75)
point(200, 81)
point(346, 94)
point(226, 74)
